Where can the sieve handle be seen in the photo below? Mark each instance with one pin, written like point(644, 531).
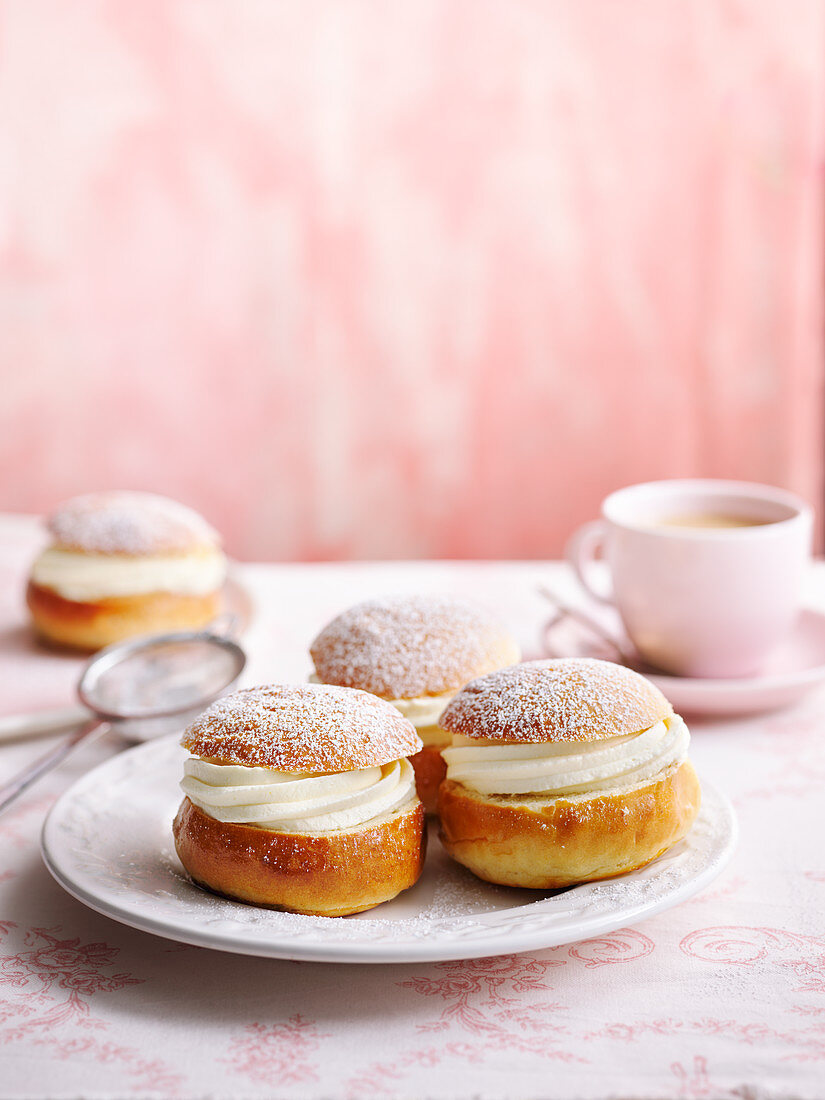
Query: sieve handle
point(18, 727)
point(11, 790)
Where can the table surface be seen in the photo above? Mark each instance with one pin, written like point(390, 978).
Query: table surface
point(723, 996)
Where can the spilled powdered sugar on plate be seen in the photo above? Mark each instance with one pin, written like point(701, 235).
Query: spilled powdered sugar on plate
point(108, 841)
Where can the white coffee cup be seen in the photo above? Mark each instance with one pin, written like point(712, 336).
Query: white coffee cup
point(706, 575)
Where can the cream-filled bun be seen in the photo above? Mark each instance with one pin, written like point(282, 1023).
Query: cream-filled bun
point(121, 564)
point(416, 652)
point(301, 798)
point(563, 772)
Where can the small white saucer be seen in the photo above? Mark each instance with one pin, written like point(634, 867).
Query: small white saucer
point(795, 668)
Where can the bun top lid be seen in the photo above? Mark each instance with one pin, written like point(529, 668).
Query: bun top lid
point(573, 699)
point(411, 646)
point(126, 522)
point(303, 728)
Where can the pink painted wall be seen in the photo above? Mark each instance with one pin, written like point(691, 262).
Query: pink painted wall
point(405, 279)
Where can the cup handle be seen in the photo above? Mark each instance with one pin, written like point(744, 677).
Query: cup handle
point(581, 554)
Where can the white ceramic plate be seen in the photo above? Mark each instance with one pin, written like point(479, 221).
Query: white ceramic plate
point(796, 667)
point(108, 842)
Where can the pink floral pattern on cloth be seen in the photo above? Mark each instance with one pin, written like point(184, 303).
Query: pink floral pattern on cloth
point(479, 996)
point(61, 965)
point(284, 1052)
point(720, 997)
point(48, 989)
point(803, 955)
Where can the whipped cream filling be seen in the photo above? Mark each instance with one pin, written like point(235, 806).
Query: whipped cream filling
point(85, 577)
point(433, 736)
point(289, 803)
point(556, 770)
point(423, 711)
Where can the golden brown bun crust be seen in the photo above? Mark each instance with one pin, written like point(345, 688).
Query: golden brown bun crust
point(553, 843)
point(308, 728)
point(327, 875)
point(430, 771)
point(572, 699)
point(94, 625)
point(409, 647)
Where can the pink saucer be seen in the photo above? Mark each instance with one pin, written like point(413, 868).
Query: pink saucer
point(796, 667)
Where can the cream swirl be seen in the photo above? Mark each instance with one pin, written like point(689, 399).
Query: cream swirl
point(568, 768)
point(284, 802)
point(423, 711)
point(85, 577)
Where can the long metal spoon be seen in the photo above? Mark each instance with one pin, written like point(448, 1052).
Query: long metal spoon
point(624, 654)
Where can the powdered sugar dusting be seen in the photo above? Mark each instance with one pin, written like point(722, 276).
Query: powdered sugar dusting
point(124, 522)
point(302, 728)
point(574, 699)
point(407, 647)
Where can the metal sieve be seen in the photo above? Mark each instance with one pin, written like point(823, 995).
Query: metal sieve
point(143, 688)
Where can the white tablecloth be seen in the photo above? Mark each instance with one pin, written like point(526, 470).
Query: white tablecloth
point(723, 996)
